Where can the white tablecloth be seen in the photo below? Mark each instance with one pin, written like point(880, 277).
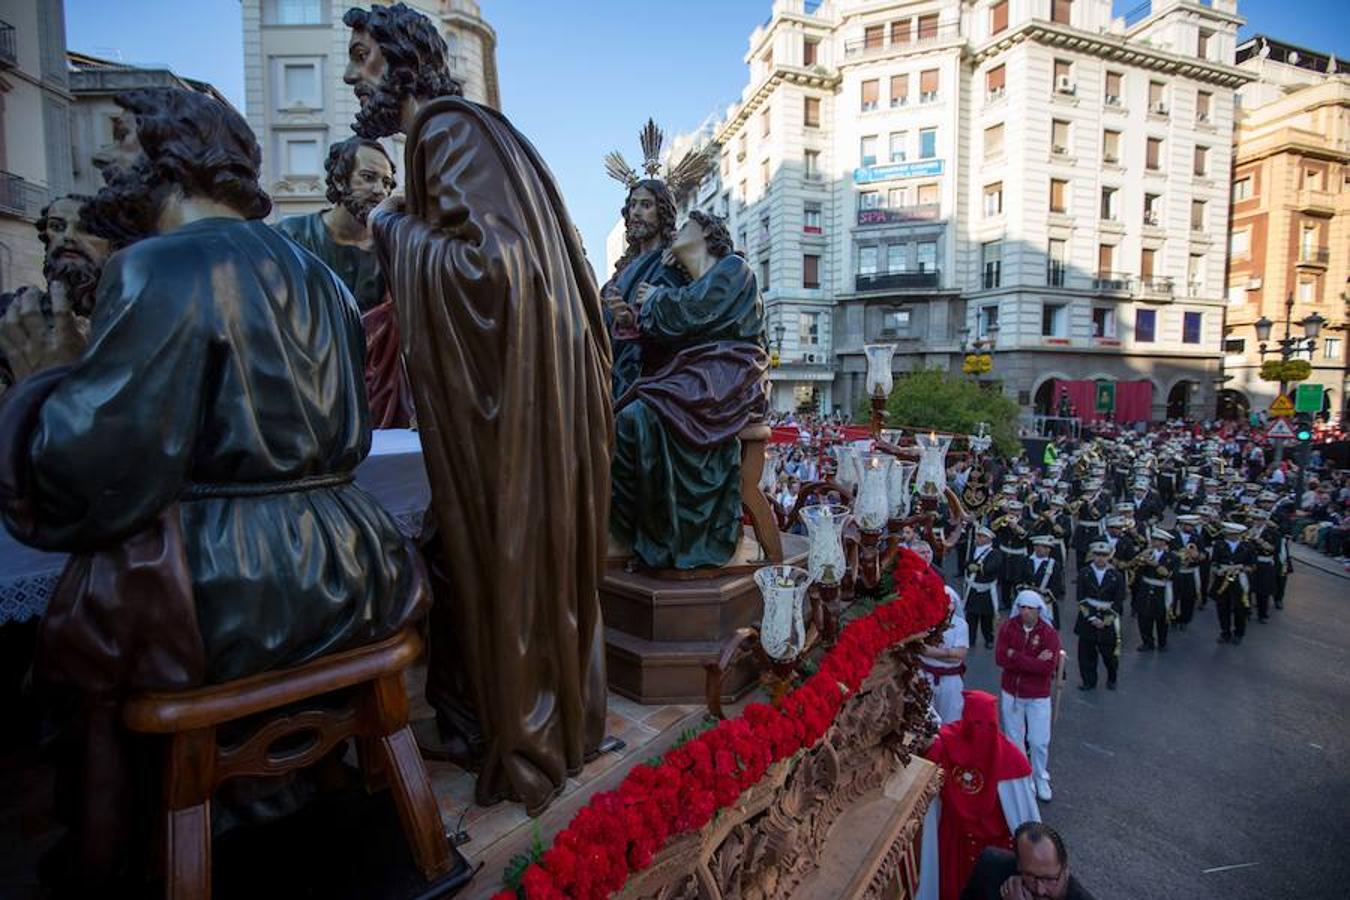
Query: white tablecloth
point(393, 473)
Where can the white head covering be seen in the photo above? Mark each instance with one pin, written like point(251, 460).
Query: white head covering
point(1034, 599)
point(958, 602)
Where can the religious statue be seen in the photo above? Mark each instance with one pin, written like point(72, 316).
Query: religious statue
point(73, 258)
point(649, 228)
point(676, 472)
point(358, 175)
point(196, 458)
point(504, 339)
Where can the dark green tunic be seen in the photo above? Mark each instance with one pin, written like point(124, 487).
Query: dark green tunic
point(628, 354)
point(676, 472)
point(359, 269)
point(222, 386)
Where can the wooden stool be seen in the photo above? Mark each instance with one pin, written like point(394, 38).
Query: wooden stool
point(376, 715)
point(753, 437)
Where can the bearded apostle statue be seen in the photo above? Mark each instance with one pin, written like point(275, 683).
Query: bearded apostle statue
point(504, 338)
point(196, 458)
point(359, 174)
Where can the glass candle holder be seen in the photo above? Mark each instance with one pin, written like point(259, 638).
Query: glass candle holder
point(932, 474)
point(825, 533)
point(900, 487)
point(782, 630)
point(871, 505)
point(879, 377)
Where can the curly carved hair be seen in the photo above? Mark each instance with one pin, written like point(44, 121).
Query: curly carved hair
point(341, 162)
point(41, 223)
point(414, 51)
point(714, 232)
point(200, 144)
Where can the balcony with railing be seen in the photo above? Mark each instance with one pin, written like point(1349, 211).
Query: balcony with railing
point(1055, 273)
point(921, 37)
point(9, 45)
point(1314, 257)
point(1112, 282)
point(1155, 287)
point(20, 197)
point(924, 279)
point(1315, 201)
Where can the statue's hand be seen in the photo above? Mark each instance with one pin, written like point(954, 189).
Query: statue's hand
point(394, 203)
point(668, 258)
point(644, 290)
point(30, 343)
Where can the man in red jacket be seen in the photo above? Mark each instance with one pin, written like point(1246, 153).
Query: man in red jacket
point(1028, 652)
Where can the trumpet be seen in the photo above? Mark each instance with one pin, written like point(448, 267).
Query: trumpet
point(1139, 559)
point(1191, 555)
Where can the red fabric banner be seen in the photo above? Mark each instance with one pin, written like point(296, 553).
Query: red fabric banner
point(1134, 401)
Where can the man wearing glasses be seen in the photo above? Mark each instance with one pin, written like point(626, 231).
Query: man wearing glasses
point(1038, 867)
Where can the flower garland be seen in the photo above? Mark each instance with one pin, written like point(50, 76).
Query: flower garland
point(619, 832)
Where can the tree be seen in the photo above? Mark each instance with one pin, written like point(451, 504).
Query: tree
point(932, 398)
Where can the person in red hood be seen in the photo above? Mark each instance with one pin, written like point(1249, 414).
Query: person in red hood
point(986, 794)
point(1027, 650)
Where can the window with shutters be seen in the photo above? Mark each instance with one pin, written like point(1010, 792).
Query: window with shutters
point(1204, 101)
point(764, 174)
point(899, 141)
point(1197, 215)
point(1110, 204)
point(993, 141)
point(810, 52)
point(1063, 77)
point(993, 199)
point(1106, 260)
point(764, 122)
point(1057, 262)
point(998, 17)
point(1059, 195)
point(1153, 154)
point(1152, 209)
point(1202, 43)
point(928, 194)
point(868, 150)
point(928, 27)
point(811, 163)
point(870, 200)
point(1113, 95)
point(1201, 160)
point(1240, 243)
point(899, 90)
point(1157, 98)
point(995, 82)
point(764, 267)
point(1059, 137)
point(811, 219)
point(1110, 146)
point(896, 198)
point(927, 143)
point(986, 319)
point(1061, 11)
point(874, 37)
point(871, 90)
point(991, 257)
point(928, 85)
point(1054, 320)
point(1103, 322)
point(810, 271)
point(811, 112)
point(900, 31)
point(1147, 257)
point(1242, 189)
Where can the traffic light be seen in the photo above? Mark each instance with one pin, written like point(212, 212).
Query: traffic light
point(1303, 431)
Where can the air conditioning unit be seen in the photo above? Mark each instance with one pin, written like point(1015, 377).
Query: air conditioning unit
point(810, 357)
point(1253, 284)
point(1160, 108)
point(1064, 85)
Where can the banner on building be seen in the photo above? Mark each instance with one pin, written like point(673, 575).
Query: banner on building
point(1106, 396)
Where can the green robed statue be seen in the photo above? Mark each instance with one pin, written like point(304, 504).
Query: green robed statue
point(676, 473)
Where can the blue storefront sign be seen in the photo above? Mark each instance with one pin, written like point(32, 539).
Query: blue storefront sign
point(922, 168)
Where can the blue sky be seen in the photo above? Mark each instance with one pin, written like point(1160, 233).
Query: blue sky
point(577, 78)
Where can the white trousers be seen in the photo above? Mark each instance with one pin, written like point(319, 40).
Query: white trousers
point(947, 699)
point(1027, 724)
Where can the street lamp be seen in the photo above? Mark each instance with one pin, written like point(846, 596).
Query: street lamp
point(1288, 346)
point(776, 358)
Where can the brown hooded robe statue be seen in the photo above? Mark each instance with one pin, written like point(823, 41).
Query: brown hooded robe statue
point(509, 362)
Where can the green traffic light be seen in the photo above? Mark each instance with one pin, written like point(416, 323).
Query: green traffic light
point(1304, 434)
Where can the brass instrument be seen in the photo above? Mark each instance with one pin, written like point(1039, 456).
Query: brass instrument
point(1191, 555)
point(1141, 558)
point(1226, 576)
